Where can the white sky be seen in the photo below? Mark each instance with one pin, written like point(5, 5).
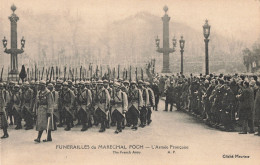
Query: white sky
point(238, 18)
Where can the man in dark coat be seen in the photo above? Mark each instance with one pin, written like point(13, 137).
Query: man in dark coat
point(169, 97)
point(257, 107)
point(246, 99)
point(156, 92)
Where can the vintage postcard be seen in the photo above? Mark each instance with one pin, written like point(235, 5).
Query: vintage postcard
point(132, 82)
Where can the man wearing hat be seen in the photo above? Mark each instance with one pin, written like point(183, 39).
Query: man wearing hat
point(67, 102)
point(144, 109)
point(246, 99)
point(119, 106)
point(55, 100)
point(16, 102)
point(3, 115)
point(83, 102)
point(26, 104)
point(102, 103)
point(151, 102)
point(156, 91)
point(169, 96)
point(44, 112)
point(135, 103)
point(9, 104)
point(106, 86)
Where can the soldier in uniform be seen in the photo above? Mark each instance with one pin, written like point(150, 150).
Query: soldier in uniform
point(135, 103)
point(3, 115)
point(102, 101)
point(58, 89)
point(16, 106)
point(9, 106)
point(119, 106)
point(169, 97)
point(150, 104)
point(44, 112)
point(67, 100)
point(143, 110)
point(156, 91)
point(83, 102)
point(55, 100)
point(113, 122)
point(26, 102)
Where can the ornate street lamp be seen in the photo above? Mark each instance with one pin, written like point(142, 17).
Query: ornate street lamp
point(22, 42)
point(182, 43)
point(174, 42)
point(157, 41)
point(4, 42)
point(206, 32)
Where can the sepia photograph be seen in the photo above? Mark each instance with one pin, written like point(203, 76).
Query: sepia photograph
point(132, 82)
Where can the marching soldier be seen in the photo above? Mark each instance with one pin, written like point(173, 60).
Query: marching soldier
point(135, 103)
point(102, 101)
point(83, 102)
point(143, 111)
point(58, 88)
point(3, 115)
point(26, 102)
point(16, 106)
point(106, 86)
point(67, 100)
point(55, 100)
point(119, 106)
point(9, 107)
point(44, 112)
point(151, 102)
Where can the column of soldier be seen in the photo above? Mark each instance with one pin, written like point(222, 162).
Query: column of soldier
point(222, 101)
point(52, 104)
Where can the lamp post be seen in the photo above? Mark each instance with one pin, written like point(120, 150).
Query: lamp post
point(13, 50)
point(166, 50)
point(206, 32)
point(182, 43)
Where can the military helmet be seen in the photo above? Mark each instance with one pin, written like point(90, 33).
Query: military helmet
point(116, 84)
point(42, 82)
point(87, 83)
point(133, 82)
point(65, 83)
point(126, 82)
point(99, 82)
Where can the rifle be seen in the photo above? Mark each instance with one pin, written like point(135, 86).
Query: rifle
point(126, 74)
point(2, 74)
point(35, 74)
point(51, 73)
point(42, 72)
point(80, 72)
point(57, 73)
point(64, 79)
point(142, 74)
point(130, 76)
point(136, 74)
point(118, 74)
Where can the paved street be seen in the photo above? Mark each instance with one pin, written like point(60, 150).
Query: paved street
point(199, 143)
